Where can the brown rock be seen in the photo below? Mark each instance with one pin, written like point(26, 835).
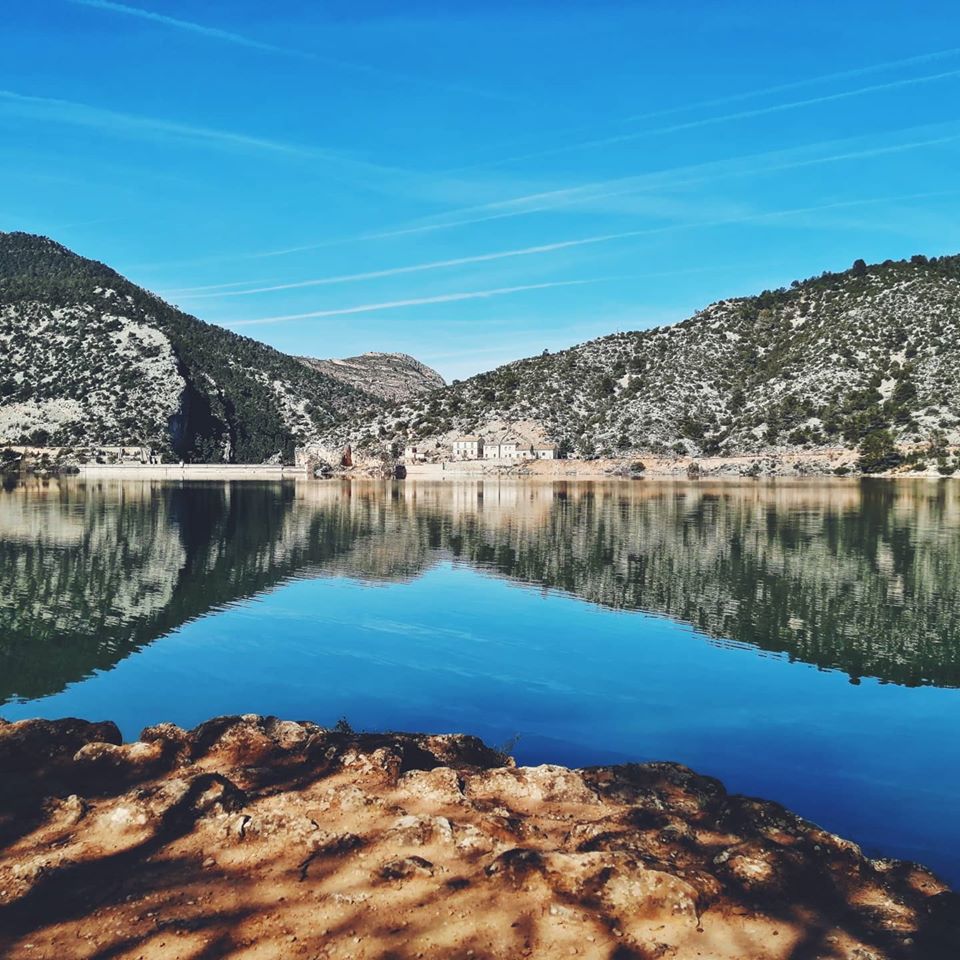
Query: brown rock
point(255, 837)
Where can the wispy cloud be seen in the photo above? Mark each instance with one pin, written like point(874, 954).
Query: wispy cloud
point(803, 82)
point(414, 268)
point(671, 178)
point(415, 302)
point(432, 265)
point(760, 164)
point(866, 70)
point(557, 246)
point(723, 118)
point(82, 114)
point(242, 40)
point(186, 291)
point(52, 109)
point(602, 238)
point(214, 33)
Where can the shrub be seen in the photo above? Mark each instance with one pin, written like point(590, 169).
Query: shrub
point(878, 452)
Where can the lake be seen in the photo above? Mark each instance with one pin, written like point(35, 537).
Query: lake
point(799, 640)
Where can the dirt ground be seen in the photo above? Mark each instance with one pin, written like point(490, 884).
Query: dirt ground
point(264, 839)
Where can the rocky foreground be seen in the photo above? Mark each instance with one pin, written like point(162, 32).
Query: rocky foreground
point(259, 838)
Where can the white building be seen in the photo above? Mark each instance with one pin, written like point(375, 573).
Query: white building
point(413, 454)
point(510, 447)
point(468, 448)
point(506, 448)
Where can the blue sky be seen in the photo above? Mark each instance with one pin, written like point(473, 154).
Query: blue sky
point(469, 182)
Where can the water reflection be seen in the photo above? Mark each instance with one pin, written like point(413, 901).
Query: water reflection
point(858, 576)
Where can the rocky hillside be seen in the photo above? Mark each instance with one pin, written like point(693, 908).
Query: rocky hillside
point(390, 376)
point(255, 837)
point(89, 359)
point(825, 361)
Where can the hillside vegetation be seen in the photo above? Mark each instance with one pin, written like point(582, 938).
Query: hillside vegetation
point(90, 359)
point(828, 361)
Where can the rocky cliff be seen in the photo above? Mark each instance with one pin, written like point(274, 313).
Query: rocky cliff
point(253, 837)
point(391, 376)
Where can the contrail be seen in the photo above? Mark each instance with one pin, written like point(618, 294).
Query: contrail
point(227, 36)
point(85, 115)
point(82, 114)
point(478, 294)
point(541, 249)
point(567, 196)
point(180, 291)
point(804, 82)
point(754, 94)
point(418, 301)
point(415, 268)
point(213, 32)
point(631, 185)
point(618, 187)
point(726, 118)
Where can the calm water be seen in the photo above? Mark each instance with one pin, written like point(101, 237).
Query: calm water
point(800, 641)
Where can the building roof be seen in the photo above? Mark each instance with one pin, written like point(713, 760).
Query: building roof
point(466, 439)
point(544, 446)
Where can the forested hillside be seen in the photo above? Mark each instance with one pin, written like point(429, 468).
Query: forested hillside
point(828, 361)
point(89, 358)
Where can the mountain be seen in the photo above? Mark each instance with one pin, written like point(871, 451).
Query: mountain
point(823, 362)
point(91, 359)
point(390, 376)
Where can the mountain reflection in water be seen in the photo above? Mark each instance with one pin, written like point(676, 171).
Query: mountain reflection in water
point(856, 576)
point(599, 622)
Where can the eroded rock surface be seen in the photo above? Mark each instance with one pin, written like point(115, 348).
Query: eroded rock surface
point(260, 838)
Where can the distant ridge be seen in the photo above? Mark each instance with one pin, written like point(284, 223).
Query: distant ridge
point(390, 376)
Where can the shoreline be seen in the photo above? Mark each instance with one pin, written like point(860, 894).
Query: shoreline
point(801, 466)
point(807, 466)
point(189, 471)
point(821, 463)
point(260, 838)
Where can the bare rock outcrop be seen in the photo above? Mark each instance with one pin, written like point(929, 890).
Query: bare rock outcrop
point(389, 376)
point(256, 837)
